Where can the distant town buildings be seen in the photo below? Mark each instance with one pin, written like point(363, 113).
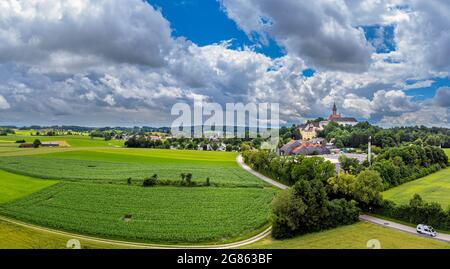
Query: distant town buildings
point(315, 146)
point(311, 129)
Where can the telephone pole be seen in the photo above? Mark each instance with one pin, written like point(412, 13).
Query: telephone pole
point(369, 150)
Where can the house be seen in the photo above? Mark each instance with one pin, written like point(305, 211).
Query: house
point(26, 145)
point(311, 149)
point(50, 144)
point(318, 141)
point(289, 147)
point(315, 146)
point(310, 129)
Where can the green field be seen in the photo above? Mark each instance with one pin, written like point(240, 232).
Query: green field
point(353, 237)
point(432, 188)
point(72, 140)
point(92, 195)
point(159, 214)
point(117, 165)
point(13, 186)
point(447, 151)
point(18, 237)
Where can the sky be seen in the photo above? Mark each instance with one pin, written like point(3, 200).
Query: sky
point(127, 62)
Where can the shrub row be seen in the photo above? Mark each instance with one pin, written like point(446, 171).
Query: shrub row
point(417, 212)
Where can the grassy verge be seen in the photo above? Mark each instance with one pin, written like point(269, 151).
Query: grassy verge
point(18, 237)
point(353, 236)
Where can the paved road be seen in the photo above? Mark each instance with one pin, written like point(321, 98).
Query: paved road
point(401, 227)
point(241, 163)
point(124, 244)
point(382, 222)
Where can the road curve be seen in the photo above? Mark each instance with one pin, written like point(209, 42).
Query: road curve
point(401, 227)
point(378, 221)
point(125, 244)
point(241, 163)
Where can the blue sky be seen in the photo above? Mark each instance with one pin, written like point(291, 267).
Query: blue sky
point(422, 93)
point(115, 62)
point(204, 23)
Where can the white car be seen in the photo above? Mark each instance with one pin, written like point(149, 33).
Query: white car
point(425, 229)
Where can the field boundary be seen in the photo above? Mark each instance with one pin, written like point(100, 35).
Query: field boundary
point(127, 244)
point(247, 168)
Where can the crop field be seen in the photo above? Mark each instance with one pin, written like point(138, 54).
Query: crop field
point(159, 214)
point(13, 186)
point(84, 189)
point(72, 140)
point(353, 237)
point(117, 165)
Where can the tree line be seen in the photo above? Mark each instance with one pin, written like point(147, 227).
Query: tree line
point(320, 199)
point(358, 136)
point(231, 144)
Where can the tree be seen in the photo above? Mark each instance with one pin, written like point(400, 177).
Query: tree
point(37, 143)
point(341, 186)
point(245, 147)
point(368, 187)
point(214, 146)
point(300, 209)
point(390, 171)
point(350, 165)
point(313, 168)
point(416, 201)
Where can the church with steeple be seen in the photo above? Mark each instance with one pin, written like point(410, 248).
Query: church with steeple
point(335, 117)
point(310, 129)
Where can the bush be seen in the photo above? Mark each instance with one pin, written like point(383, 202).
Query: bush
point(20, 141)
point(150, 182)
point(342, 212)
point(418, 211)
point(37, 143)
point(186, 180)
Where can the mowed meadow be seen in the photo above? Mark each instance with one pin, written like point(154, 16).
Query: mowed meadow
point(86, 189)
point(432, 188)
